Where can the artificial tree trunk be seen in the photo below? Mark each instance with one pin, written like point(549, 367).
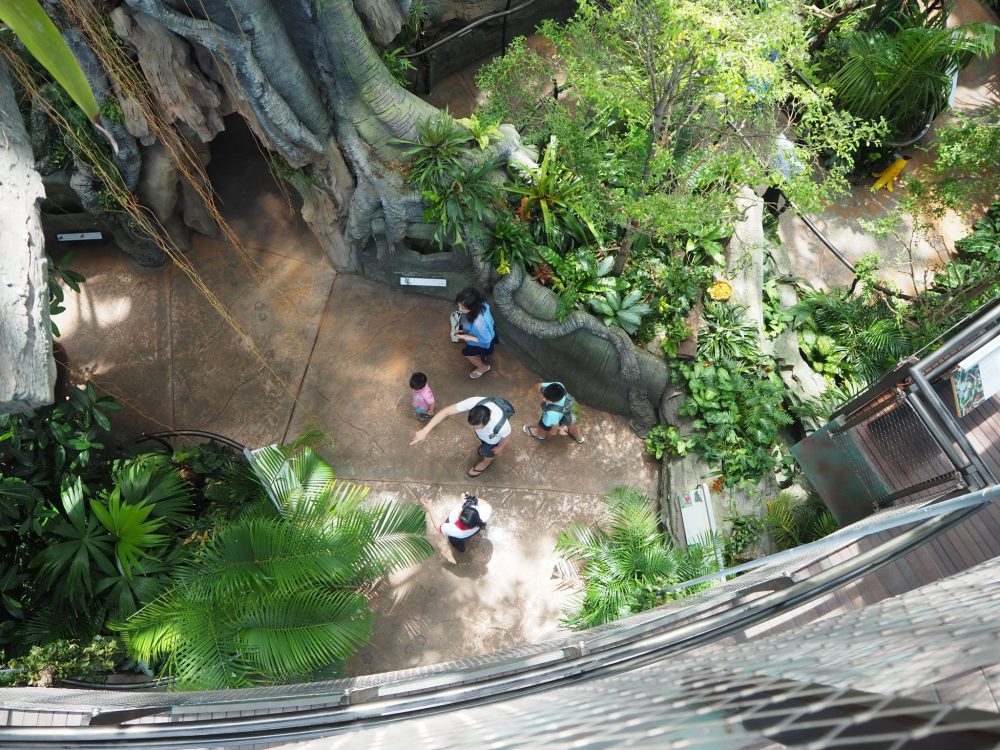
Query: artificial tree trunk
point(314, 88)
point(27, 372)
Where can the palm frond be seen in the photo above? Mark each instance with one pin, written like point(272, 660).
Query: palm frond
point(395, 536)
point(153, 479)
point(256, 555)
point(299, 632)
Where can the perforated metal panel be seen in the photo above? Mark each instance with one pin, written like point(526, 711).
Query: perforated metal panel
point(850, 681)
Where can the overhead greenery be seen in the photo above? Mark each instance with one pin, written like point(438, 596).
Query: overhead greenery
point(962, 170)
point(735, 401)
point(661, 97)
point(625, 562)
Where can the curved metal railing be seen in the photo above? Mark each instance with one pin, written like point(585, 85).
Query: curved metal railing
point(300, 712)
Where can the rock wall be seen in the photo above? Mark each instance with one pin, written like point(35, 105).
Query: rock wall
point(599, 365)
point(27, 368)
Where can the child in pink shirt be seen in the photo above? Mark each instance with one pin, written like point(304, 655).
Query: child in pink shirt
point(423, 397)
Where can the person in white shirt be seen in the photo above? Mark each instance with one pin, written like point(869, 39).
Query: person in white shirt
point(488, 420)
point(463, 522)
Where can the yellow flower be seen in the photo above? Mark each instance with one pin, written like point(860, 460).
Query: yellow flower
point(720, 290)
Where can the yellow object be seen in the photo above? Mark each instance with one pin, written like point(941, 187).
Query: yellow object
point(890, 173)
point(720, 290)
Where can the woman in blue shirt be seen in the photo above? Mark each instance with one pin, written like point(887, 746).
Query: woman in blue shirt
point(477, 330)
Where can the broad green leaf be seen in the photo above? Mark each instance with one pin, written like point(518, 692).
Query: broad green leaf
point(43, 40)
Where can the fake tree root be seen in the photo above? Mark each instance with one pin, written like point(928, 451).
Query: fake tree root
point(643, 417)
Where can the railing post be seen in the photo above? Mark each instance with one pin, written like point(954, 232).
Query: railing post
point(937, 418)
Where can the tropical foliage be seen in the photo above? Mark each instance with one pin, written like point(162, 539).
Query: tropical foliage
point(458, 186)
point(851, 339)
point(904, 73)
point(735, 401)
point(276, 594)
point(853, 336)
point(789, 524)
point(962, 171)
point(554, 193)
point(89, 532)
point(625, 563)
point(215, 573)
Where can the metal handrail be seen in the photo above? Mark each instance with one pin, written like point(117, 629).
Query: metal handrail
point(847, 536)
point(160, 437)
point(466, 29)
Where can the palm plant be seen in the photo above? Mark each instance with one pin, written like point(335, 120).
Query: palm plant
point(106, 552)
point(790, 524)
point(905, 76)
point(436, 156)
point(275, 595)
point(624, 565)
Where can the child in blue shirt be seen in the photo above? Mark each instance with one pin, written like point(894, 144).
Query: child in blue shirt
point(557, 414)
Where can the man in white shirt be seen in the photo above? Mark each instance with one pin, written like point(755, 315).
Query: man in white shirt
point(487, 419)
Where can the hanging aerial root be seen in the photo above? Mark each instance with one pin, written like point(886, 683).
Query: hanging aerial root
point(129, 81)
point(142, 219)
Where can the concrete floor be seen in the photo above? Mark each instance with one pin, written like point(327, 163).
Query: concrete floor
point(337, 353)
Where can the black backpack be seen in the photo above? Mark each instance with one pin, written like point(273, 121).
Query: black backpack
point(505, 407)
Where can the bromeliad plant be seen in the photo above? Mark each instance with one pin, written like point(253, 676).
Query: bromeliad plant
point(277, 594)
point(580, 277)
point(625, 563)
point(460, 190)
point(512, 245)
point(556, 195)
point(625, 312)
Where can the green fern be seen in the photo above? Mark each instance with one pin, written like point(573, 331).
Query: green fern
point(624, 563)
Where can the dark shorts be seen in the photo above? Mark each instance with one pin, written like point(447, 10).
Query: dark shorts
point(477, 351)
point(459, 544)
point(566, 421)
point(486, 449)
